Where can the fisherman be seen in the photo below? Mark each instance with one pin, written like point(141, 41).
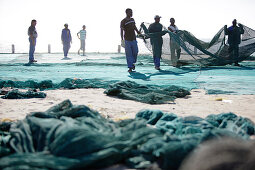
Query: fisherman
point(32, 33)
point(234, 39)
point(174, 46)
point(128, 27)
point(82, 36)
point(66, 40)
point(156, 41)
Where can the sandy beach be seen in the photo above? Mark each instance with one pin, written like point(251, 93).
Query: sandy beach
point(197, 104)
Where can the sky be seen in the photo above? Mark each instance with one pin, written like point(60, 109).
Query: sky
point(203, 18)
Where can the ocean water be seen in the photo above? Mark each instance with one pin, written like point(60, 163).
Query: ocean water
point(111, 67)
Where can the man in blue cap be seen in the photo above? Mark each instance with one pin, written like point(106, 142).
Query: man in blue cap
point(234, 39)
point(156, 41)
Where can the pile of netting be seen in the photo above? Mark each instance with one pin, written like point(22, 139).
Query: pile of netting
point(75, 137)
point(198, 52)
point(68, 83)
point(130, 90)
point(145, 93)
point(16, 94)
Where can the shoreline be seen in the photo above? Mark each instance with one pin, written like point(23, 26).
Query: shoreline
point(197, 104)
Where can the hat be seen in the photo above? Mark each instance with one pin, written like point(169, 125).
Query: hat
point(157, 16)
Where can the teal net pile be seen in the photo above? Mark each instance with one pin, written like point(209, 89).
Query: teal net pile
point(198, 52)
point(130, 90)
point(146, 94)
point(16, 94)
point(71, 136)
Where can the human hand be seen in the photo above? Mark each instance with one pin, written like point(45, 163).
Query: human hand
point(240, 25)
point(123, 43)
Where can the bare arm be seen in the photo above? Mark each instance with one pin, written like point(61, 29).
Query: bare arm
point(32, 38)
point(226, 30)
point(241, 28)
point(121, 33)
point(137, 31)
point(170, 29)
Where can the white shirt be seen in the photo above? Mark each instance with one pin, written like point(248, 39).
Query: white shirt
point(173, 28)
point(82, 34)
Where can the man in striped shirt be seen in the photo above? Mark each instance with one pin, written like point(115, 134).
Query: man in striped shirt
point(128, 41)
point(82, 36)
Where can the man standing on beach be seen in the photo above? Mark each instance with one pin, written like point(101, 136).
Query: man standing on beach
point(32, 33)
point(82, 36)
point(234, 39)
point(174, 46)
point(128, 26)
point(66, 40)
point(156, 41)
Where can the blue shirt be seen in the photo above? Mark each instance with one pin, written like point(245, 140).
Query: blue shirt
point(66, 36)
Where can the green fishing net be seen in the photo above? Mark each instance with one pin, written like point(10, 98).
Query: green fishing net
point(75, 137)
point(198, 52)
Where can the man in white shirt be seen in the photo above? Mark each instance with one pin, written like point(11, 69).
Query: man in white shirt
point(82, 36)
point(174, 46)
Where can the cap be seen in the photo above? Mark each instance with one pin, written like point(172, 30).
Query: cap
point(157, 16)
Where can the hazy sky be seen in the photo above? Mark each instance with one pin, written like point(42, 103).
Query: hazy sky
point(203, 18)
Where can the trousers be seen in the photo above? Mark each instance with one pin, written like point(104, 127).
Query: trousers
point(131, 50)
point(31, 49)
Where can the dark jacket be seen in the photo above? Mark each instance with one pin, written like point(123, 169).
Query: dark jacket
point(156, 28)
point(234, 34)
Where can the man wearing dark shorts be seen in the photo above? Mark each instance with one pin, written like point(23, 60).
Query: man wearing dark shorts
point(32, 33)
point(128, 26)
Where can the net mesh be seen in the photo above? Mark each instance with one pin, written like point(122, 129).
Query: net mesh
point(195, 51)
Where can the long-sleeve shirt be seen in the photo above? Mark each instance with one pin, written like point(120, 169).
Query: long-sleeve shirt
point(156, 28)
point(234, 34)
point(66, 36)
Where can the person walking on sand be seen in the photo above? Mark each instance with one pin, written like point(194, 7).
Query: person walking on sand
point(234, 39)
point(66, 38)
point(174, 46)
point(32, 33)
point(156, 41)
point(128, 27)
point(82, 36)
